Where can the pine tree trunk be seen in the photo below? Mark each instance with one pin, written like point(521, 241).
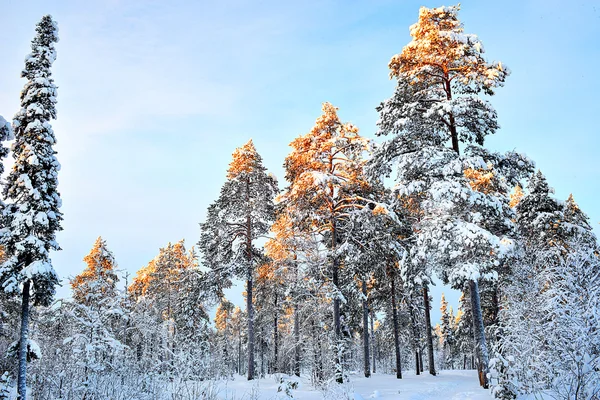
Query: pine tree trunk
point(336, 309)
point(396, 330)
point(262, 355)
point(479, 334)
point(22, 373)
point(249, 306)
point(452, 122)
point(297, 340)
point(239, 363)
point(428, 330)
point(421, 360)
point(373, 342)
point(365, 306)
point(415, 334)
point(275, 338)
point(250, 309)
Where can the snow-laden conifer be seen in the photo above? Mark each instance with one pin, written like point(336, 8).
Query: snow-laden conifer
point(32, 215)
point(243, 212)
point(462, 218)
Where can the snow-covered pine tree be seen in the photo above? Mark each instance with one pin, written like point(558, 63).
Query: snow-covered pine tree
point(32, 217)
point(98, 280)
point(464, 331)
point(373, 245)
point(96, 317)
point(223, 324)
point(436, 106)
point(325, 172)
point(243, 212)
point(286, 249)
point(550, 302)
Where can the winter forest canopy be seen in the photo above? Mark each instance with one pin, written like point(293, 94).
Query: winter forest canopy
point(335, 259)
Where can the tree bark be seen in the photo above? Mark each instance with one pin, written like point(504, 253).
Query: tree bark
point(275, 337)
point(373, 342)
point(428, 330)
point(250, 309)
point(22, 373)
point(365, 306)
point(249, 306)
point(239, 363)
point(336, 309)
point(479, 334)
point(297, 340)
point(396, 330)
point(413, 323)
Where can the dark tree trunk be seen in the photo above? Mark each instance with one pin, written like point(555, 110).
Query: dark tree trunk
point(452, 121)
point(373, 342)
point(250, 310)
point(365, 306)
point(465, 361)
point(262, 355)
point(275, 338)
point(22, 373)
point(428, 330)
point(339, 373)
point(297, 340)
point(239, 350)
point(479, 335)
point(415, 334)
point(249, 306)
point(396, 330)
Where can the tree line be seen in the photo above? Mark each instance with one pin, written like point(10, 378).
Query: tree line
point(337, 263)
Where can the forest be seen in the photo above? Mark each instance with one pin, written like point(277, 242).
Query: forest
point(335, 261)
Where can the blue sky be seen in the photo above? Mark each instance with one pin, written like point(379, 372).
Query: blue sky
point(154, 96)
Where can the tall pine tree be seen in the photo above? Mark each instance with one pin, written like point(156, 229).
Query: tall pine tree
point(32, 216)
point(243, 212)
point(465, 226)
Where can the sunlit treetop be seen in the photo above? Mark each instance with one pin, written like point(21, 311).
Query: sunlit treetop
point(440, 51)
point(98, 280)
point(244, 160)
point(326, 166)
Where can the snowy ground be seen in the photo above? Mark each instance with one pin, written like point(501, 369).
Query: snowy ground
point(451, 385)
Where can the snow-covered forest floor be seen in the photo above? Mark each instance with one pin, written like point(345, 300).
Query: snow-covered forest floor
point(452, 385)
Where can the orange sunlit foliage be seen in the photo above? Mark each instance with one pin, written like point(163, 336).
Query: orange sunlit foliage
point(243, 160)
point(223, 315)
point(379, 210)
point(164, 268)
point(325, 166)
point(141, 282)
point(441, 50)
point(480, 180)
point(278, 248)
point(516, 196)
point(98, 278)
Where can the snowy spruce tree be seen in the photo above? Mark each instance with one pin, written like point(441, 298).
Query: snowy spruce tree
point(99, 279)
point(32, 215)
point(243, 212)
point(95, 314)
point(465, 226)
point(325, 173)
point(549, 340)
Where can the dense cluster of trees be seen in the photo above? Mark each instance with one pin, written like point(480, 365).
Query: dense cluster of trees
point(337, 263)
